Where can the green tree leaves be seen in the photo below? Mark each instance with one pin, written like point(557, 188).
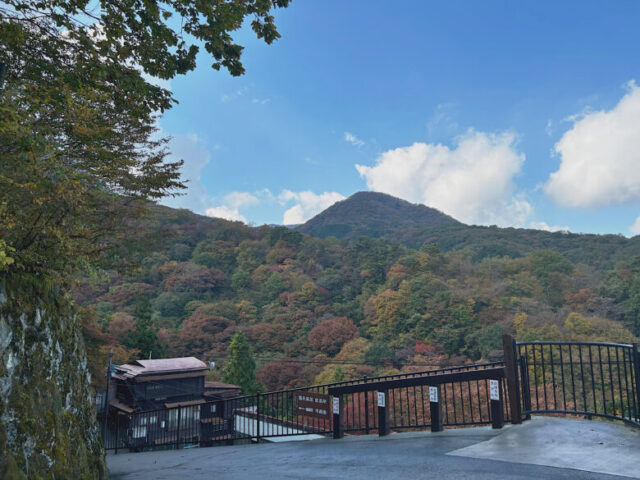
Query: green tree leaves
point(145, 336)
point(163, 38)
point(240, 367)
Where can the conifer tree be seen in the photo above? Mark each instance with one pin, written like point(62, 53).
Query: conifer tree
point(240, 367)
point(145, 335)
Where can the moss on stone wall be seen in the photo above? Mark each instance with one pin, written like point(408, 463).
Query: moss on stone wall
point(48, 426)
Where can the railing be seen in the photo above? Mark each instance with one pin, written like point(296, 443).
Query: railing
point(591, 379)
point(464, 396)
point(277, 414)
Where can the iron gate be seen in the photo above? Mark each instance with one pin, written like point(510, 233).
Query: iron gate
point(580, 378)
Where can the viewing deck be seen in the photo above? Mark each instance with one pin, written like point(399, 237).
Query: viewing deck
point(545, 447)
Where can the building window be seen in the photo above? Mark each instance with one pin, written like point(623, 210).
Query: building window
point(173, 418)
point(189, 414)
point(139, 432)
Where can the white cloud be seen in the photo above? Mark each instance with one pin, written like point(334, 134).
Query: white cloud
point(227, 97)
point(549, 128)
point(600, 157)
point(240, 199)
point(308, 204)
point(259, 101)
point(352, 139)
point(226, 212)
point(233, 202)
point(196, 156)
point(547, 227)
point(472, 182)
point(443, 121)
point(635, 228)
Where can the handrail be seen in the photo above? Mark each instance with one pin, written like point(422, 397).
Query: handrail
point(431, 380)
point(602, 344)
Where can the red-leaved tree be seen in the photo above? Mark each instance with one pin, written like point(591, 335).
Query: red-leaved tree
point(330, 335)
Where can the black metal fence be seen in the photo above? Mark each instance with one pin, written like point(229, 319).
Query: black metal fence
point(591, 379)
point(465, 401)
point(277, 414)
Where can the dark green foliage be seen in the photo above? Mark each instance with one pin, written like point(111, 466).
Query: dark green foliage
point(378, 354)
point(484, 341)
point(170, 304)
point(274, 286)
point(369, 214)
point(240, 367)
point(240, 280)
point(145, 337)
point(289, 237)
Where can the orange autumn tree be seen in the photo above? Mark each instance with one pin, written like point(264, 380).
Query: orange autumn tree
point(330, 335)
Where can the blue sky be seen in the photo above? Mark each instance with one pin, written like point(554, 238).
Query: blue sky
point(510, 113)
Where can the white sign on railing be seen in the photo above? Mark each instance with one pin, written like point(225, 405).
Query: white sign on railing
point(433, 394)
point(494, 389)
point(336, 405)
point(381, 399)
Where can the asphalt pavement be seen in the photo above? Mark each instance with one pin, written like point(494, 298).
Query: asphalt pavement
point(544, 448)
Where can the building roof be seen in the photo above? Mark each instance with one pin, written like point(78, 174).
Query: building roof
point(220, 385)
point(160, 366)
point(221, 391)
point(120, 406)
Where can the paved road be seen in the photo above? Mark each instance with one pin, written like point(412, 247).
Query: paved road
point(406, 455)
point(595, 446)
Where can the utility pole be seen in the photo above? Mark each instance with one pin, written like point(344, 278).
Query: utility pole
point(105, 408)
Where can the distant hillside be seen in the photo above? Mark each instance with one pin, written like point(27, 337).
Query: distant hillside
point(378, 215)
point(347, 308)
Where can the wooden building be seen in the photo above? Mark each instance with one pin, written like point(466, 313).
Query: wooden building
point(159, 400)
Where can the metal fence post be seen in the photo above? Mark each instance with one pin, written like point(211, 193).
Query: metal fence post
point(435, 408)
point(178, 430)
point(117, 431)
point(636, 369)
point(338, 426)
point(497, 404)
point(258, 418)
point(366, 408)
point(383, 413)
point(526, 389)
point(509, 347)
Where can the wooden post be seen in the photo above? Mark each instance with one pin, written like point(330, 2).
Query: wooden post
point(511, 370)
point(435, 404)
point(383, 413)
point(497, 406)
point(338, 427)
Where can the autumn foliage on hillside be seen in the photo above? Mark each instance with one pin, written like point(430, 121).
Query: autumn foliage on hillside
point(321, 310)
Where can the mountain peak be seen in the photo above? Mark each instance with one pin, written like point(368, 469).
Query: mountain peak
point(375, 214)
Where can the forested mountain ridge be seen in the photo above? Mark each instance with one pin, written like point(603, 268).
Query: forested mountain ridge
point(375, 215)
point(317, 310)
point(378, 215)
